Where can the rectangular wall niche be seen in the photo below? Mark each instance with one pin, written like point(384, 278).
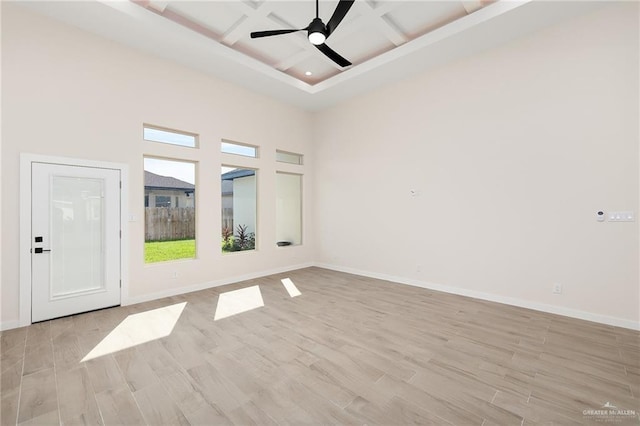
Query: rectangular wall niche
point(288, 209)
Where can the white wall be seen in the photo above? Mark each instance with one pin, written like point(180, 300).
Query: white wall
point(72, 94)
point(289, 208)
point(512, 151)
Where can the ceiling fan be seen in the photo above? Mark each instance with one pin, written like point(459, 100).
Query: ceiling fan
point(318, 32)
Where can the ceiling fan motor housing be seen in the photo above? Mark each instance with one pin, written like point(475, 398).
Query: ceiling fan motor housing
point(317, 31)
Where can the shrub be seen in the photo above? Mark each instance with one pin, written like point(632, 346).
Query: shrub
point(241, 241)
point(227, 239)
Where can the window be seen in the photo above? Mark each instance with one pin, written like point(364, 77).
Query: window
point(288, 157)
point(245, 150)
point(288, 209)
point(162, 201)
point(170, 214)
point(173, 137)
point(238, 208)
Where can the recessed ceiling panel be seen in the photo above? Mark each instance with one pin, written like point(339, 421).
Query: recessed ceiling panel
point(418, 18)
point(278, 47)
point(369, 29)
point(264, 55)
point(317, 65)
point(362, 45)
point(293, 14)
point(216, 15)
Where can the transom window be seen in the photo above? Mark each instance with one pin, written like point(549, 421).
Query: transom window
point(246, 150)
point(288, 157)
point(173, 137)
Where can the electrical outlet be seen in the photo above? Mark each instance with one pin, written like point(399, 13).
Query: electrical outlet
point(174, 274)
point(557, 289)
point(418, 268)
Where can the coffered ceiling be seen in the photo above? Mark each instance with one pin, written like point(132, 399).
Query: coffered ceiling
point(386, 40)
point(369, 29)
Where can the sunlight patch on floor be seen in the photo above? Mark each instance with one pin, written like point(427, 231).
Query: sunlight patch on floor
point(291, 287)
point(137, 329)
point(238, 301)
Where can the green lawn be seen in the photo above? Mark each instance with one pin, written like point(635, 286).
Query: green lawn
point(161, 251)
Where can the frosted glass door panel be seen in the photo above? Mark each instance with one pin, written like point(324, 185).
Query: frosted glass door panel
point(77, 235)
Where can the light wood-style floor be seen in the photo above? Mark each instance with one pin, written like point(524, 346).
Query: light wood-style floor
point(348, 350)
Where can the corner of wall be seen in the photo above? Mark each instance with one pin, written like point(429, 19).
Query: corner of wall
point(541, 307)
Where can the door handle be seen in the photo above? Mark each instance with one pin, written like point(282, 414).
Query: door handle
point(40, 250)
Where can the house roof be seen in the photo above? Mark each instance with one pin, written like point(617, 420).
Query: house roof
point(237, 173)
point(152, 180)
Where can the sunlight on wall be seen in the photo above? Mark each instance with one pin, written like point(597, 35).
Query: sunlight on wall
point(238, 301)
point(137, 329)
point(291, 287)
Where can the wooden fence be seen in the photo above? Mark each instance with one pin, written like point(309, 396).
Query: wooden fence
point(169, 223)
point(227, 218)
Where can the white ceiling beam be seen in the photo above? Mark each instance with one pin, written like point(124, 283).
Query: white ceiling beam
point(376, 16)
point(158, 5)
point(250, 17)
point(472, 5)
point(390, 31)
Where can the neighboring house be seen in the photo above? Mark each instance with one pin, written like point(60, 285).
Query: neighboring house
point(239, 199)
point(166, 191)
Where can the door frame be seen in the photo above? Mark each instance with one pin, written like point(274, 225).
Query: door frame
point(26, 160)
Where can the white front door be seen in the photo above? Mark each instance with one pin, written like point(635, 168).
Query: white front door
point(75, 239)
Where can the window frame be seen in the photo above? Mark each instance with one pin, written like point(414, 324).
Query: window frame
point(299, 156)
point(176, 159)
point(242, 144)
point(256, 171)
point(196, 137)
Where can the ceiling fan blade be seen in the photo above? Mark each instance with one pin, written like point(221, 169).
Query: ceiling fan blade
point(338, 15)
point(331, 54)
point(259, 34)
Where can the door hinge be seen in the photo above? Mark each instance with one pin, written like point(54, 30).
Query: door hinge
point(120, 184)
point(121, 234)
point(120, 283)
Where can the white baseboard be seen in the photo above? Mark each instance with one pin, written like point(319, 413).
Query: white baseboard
point(8, 325)
point(211, 284)
point(559, 310)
